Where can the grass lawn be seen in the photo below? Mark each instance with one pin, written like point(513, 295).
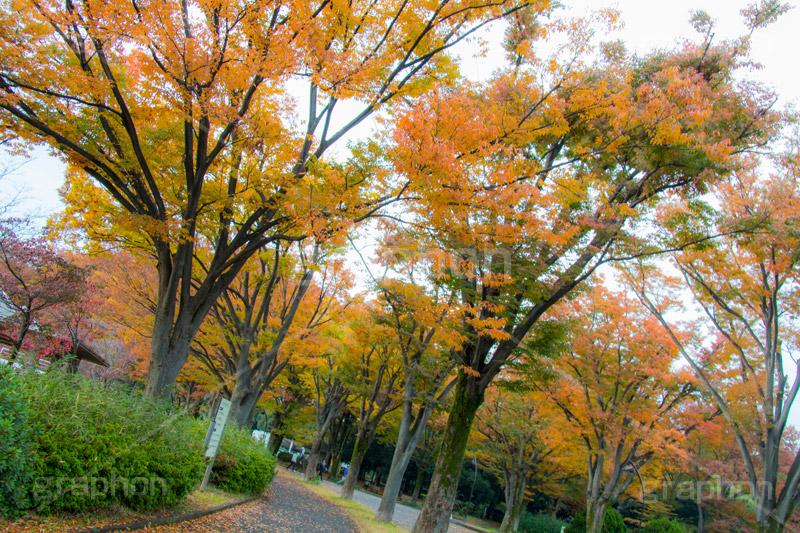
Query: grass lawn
point(105, 516)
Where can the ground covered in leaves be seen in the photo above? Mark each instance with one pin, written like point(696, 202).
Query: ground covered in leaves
point(111, 515)
point(287, 507)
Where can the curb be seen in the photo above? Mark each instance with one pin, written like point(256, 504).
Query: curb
point(166, 520)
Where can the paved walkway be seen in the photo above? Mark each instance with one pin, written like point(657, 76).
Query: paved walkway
point(404, 516)
point(287, 507)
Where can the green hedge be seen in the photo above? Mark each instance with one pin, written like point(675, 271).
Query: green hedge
point(612, 522)
point(663, 525)
point(68, 443)
point(540, 523)
point(243, 464)
point(16, 445)
point(97, 446)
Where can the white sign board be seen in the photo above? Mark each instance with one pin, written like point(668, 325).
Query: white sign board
point(217, 427)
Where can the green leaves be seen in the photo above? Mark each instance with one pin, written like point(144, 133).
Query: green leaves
point(17, 453)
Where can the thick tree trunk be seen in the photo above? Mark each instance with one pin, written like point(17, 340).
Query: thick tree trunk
point(275, 440)
point(595, 500)
point(400, 461)
point(359, 451)
point(173, 325)
point(243, 403)
point(313, 459)
point(435, 515)
point(169, 351)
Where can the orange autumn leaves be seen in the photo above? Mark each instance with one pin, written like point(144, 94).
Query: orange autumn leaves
point(616, 384)
point(609, 397)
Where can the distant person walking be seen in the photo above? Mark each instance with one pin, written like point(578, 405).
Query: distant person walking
point(295, 457)
point(344, 475)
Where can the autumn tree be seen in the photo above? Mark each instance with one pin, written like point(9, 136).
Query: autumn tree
point(745, 284)
point(374, 376)
point(513, 442)
point(710, 460)
point(289, 395)
point(527, 183)
point(616, 390)
point(323, 370)
point(178, 126)
point(263, 317)
point(34, 279)
point(419, 314)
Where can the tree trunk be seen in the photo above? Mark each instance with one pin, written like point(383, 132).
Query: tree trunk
point(418, 483)
point(344, 434)
point(556, 507)
point(435, 515)
point(243, 403)
point(169, 351)
point(594, 521)
point(700, 519)
point(173, 329)
point(515, 501)
point(407, 439)
point(275, 440)
point(313, 459)
point(353, 471)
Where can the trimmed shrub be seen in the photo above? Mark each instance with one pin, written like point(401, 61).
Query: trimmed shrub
point(612, 522)
point(243, 464)
point(98, 446)
point(286, 457)
point(16, 445)
point(663, 525)
point(539, 523)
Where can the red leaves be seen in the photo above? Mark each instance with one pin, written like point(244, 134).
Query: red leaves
point(33, 278)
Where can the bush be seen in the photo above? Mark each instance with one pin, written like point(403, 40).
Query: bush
point(612, 522)
point(16, 445)
point(540, 523)
point(286, 457)
point(97, 446)
point(663, 525)
point(243, 464)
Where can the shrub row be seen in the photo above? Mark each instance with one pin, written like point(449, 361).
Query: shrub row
point(97, 446)
point(16, 444)
point(243, 465)
point(613, 523)
point(539, 523)
point(70, 444)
